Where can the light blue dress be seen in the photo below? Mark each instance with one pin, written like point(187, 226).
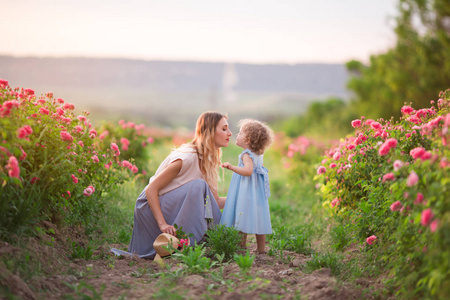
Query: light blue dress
point(247, 205)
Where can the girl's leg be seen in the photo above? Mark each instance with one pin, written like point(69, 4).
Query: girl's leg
point(243, 240)
point(261, 243)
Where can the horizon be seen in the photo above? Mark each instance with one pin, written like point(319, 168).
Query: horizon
point(253, 32)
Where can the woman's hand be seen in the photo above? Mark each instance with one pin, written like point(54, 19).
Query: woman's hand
point(166, 228)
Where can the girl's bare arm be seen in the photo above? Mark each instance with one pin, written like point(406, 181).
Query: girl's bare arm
point(246, 170)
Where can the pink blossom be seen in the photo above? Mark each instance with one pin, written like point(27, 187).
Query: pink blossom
point(321, 170)
point(89, 191)
point(335, 202)
point(92, 133)
point(44, 111)
point(407, 110)
point(388, 177)
point(81, 144)
point(108, 165)
point(356, 123)
point(337, 155)
point(95, 158)
point(13, 167)
point(350, 157)
point(81, 118)
point(74, 178)
point(332, 165)
point(115, 148)
point(369, 121)
point(60, 111)
point(3, 83)
point(434, 226)
point(396, 206)
point(397, 165)
point(375, 125)
point(392, 143)
point(184, 242)
point(60, 101)
point(68, 106)
point(427, 216)
point(417, 152)
point(65, 136)
point(351, 146)
point(414, 119)
point(419, 198)
point(412, 179)
point(384, 149)
point(24, 154)
point(150, 140)
point(78, 128)
point(24, 131)
point(134, 169)
point(371, 239)
point(126, 164)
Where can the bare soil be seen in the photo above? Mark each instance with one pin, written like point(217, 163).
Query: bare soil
point(111, 277)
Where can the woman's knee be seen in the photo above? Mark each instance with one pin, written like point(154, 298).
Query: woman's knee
point(199, 184)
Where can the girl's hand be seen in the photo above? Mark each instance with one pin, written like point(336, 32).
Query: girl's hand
point(227, 165)
point(166, 228)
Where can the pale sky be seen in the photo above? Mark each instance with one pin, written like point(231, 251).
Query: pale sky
point(245, 31)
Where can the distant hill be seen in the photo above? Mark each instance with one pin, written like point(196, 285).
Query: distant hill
point(173, 92)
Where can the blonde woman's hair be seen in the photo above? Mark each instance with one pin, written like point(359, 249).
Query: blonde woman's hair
point(204, 142)
point(257, 133)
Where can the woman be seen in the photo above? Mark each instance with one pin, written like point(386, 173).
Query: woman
point(183, 190)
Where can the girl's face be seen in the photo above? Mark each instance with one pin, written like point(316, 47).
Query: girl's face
point(241, 140)
point(223, 133)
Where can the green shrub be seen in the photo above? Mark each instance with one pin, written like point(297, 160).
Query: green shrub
point(223, 240)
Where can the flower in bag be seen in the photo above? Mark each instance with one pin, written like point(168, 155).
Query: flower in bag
point(184, 242)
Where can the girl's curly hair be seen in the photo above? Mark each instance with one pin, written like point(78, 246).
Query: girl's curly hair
point(258, 134)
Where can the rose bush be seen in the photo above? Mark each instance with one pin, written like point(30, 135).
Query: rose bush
point(53, 163)
point(392, 182)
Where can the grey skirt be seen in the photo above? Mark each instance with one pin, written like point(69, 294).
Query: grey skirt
point(189, 206)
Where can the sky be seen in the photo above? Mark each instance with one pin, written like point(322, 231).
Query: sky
point(236, 31)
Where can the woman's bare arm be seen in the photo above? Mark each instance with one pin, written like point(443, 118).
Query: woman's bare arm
point(152, 191)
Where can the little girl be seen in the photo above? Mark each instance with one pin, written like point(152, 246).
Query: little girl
point(247, 205)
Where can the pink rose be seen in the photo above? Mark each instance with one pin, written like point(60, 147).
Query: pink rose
point(65, 136)
point(335, 202)
point(89, 191)
point(396, 206)
point(24, 131)
point(427, 216)
point(13, 167)
point(74, 178)
point(412, 179)
point(371, 239)
point(321, 170)
point(356, 123)
point(388, 177)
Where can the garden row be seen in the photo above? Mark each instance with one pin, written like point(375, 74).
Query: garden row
point(388, 189)
point(54, 164)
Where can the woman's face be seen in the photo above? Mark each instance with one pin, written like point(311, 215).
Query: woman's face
point(223, 133)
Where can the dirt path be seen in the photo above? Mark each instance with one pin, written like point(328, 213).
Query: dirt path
point(128, 278)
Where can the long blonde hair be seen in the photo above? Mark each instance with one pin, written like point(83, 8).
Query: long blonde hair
point(204, 142)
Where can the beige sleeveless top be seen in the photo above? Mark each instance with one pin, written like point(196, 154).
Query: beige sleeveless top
point(190, 169)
